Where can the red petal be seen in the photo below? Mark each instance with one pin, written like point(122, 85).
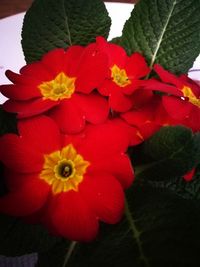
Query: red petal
point(59, 60)
point(41, 132)
point(70, 216)
point(29, 198)
point(18, 154)
point(13, 180)
point(168, 77)
point(193, 121)
point(136, 66)
point(37, 71)
point(20, 92)
point(154, 85)
point(136, 137)
point(25, 153)
point(118, 101)
point(145, 118)
point(142, 97)
point(29, 108)
point(177, 108)
point(20, 79)
point(94, 107)
point(104, 140)
point(54, 61)
point(72, 59)
point(92, 69)
point(105, 196)
point(147, 129)
point(133, 87)
point(69, 116)
point(116, 54)
point(137, 117)
point(118, 166)
point(104, 89)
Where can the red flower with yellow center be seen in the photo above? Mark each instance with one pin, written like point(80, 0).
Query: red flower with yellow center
point(183, 104)
point(62, 85)
point(64, 169)
point(67, 182)
point(123, 77)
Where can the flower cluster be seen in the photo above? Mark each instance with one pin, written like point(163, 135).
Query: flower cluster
point(78, 112)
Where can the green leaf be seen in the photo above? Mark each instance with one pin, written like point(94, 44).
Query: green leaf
point(49, 24)
point(116, 40)
point(169, 153)
point(160, 229)
point(18, 238)
point(8, 122)
point(166, 32)
point(187, 190)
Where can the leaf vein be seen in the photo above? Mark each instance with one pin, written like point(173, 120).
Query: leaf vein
point(162, 34)
point(136, 234)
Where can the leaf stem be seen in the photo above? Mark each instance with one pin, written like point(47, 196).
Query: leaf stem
point(69, 253)
point(136, 234)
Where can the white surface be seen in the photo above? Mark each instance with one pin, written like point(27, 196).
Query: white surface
point(11, 55)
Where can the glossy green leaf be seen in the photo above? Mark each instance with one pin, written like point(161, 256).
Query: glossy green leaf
point(159, 229)
point(49, 24)
point(171, 152)
point(187, 190)
point(165, 32)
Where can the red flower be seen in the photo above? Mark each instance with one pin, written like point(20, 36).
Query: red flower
point(59, 83)
point(183, 100)
point(69, 182)
point(186, 108)
point(123, 75)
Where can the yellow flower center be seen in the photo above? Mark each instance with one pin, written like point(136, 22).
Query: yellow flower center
point(187, 92)
point(60, 88)
point(119, 76)
point(64, 169)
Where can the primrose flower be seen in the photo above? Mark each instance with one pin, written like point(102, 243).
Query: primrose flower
point(123, 76)
point(61, 84)
point(69, 181)
point(184, 107)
